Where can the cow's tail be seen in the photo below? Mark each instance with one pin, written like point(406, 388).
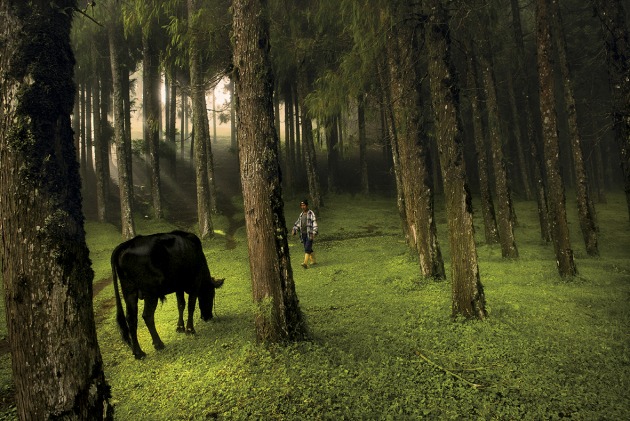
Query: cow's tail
point(120, 312)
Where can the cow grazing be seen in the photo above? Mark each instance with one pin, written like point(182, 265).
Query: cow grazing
point(150, 267)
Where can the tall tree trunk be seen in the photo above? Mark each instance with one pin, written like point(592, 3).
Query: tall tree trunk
point(199, 128)
point(613, 18)
point(310, 156)
point(210, 163)
point(391, 134)
point(413, 145)
point(107, 130)
point(518, 139)
point(233, 134)
point(332, 152)
point(363, 163)
point(151, 105)
point(56, 361)
point(125, 185)
point(468, 299)
point(81, 152)
point(504, 201)
point(297, 158)
point(557, 208)
point(278, 317)
point(289, 140)
point(99, 159)
point(586, 210)
point(529, 131)
point(487, 205)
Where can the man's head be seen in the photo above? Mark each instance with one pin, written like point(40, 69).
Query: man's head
point(304, 204)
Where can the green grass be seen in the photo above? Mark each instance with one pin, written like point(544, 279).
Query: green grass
point(383, 344)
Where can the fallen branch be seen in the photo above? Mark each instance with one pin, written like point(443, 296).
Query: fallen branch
point(457, 376)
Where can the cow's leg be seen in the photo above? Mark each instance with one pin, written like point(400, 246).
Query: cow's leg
point(192, 303)
point(131, 302)
point(181, 306)
point(150, 304)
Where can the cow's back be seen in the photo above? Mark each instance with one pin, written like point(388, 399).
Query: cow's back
point(160, 264)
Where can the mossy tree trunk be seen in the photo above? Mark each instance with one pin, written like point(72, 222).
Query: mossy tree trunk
point(468, 299)
point(557, 203)
point(200, 129)
point(46, 270)
point(586, 209)
point(123, 147)
point(412, 143)
point(278, 317)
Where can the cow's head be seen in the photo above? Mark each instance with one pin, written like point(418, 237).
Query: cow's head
point(206, 297)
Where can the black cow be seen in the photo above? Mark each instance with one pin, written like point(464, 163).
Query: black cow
point(152, 266)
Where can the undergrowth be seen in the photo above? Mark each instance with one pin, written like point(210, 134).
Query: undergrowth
point(383, 344)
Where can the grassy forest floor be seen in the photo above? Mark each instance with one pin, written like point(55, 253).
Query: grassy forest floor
point(383, 344)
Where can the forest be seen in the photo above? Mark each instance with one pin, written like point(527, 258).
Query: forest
point(468, 163)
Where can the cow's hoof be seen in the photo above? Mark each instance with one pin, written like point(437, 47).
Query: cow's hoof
point(139, 355)
point(190, 331)
point(181, 329)
point(159, 345)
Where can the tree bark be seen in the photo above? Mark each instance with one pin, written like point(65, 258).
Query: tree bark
point(123, 150)
point(278, 317)
point(487, 206)
point(199, 128)
point(468, 299)
point(586, 209)
point(613, 18)
point(56, 362)
point(413, 144)
point(152, 108)
point(504, 201)
point(99, 160)
point(363, 163)
point(309, 154)
point(557, 208)
point(332, 152)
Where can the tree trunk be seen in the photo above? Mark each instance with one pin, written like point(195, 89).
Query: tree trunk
point(390, 124)
point(518, 139)
point(310, 156)
point(586, 210)
point(99, 160)
point(529, 131)
point(233, 139)
point(332, 152)
point(289, 141)
point(504, 202)
point(278, 317)
point(613, 18)
point(413, 145)
point(557, 209)
point(468, 299)
point(123, 159)
point(363, 163)
point(56, 362)
point(210, 163)
point(487, 206)
point(199, 131)
point(152, 108)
